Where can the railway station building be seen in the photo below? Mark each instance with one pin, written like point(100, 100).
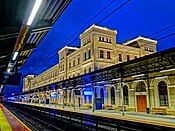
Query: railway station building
point(98, 50)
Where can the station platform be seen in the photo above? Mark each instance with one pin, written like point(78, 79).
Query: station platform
point(9, 122)
point(163, 120)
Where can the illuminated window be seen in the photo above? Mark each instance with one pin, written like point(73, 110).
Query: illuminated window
point(120, 57)
point(101, 54)
point(108, 55)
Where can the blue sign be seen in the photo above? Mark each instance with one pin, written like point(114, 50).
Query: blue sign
point(53, 95)
point(88, 93)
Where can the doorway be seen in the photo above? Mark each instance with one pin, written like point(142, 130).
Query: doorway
point(141, 103)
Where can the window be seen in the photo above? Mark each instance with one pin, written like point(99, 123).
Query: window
point(107, 40)
point(73, 62)
point(89, 69)
point(163, 93)
point(125, 95)
point(69, 64)
point(101, 54)
point(84, 55)
point(84, 71)
point(112, 96)
point(140, 87)
point(78, 60)
point(128, 57)
point(100, 38)
point(102, 95)
point(89, 54)
point(120, 57)
point(70, 97)
point(108, 55)
point(103, 39)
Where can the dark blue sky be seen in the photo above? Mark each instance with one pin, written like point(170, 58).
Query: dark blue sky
point(137, 17)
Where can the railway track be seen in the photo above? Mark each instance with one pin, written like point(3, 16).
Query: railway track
point(34, 123)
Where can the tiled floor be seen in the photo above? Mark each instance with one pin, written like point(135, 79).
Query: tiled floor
point(4, 125)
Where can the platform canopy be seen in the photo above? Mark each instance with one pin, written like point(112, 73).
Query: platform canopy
point(20, 34)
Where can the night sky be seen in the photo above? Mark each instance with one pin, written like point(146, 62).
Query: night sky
point(136, 18)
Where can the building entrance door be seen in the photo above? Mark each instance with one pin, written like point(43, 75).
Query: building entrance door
point(141, 103)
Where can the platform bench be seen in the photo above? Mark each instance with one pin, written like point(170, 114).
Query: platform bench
point(159, 111)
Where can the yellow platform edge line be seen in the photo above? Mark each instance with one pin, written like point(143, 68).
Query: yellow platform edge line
point(5, 118)
point(19, 120)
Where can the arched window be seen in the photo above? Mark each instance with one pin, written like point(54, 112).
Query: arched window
point(100, 38)
point(141, 87)
point(84, 55)
point(112, 96)
point(163, 93)
point(78, 60)
point(128, 57)
point(102, 94)
point(120, 57)
point(89, 54)
point(125, 95)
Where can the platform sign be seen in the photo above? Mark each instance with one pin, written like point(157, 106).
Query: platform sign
point(88, 93)
point(53, 94)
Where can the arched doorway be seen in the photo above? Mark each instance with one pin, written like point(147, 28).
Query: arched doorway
point(112, 96)
point(163, 93)
point(125, 95)
point(102, 95)
point(141, 96)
